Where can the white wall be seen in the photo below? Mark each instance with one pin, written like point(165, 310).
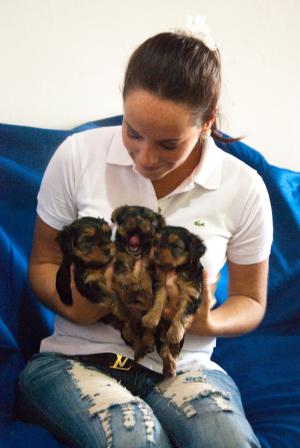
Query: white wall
point(62, 62)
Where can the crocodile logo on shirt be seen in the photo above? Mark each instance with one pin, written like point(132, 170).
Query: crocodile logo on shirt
point(199, 223)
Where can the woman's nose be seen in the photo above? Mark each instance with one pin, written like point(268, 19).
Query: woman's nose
point(147, 155)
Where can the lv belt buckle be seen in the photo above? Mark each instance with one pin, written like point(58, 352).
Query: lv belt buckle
point(120, 363)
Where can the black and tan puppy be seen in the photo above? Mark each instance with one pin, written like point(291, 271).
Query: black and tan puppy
point(87, 244)
point(132, 278)
point(136, 228)
point(175, 251)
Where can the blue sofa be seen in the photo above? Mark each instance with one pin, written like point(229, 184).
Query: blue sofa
point(265, 364)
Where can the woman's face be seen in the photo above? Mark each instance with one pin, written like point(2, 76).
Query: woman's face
point(158, 134)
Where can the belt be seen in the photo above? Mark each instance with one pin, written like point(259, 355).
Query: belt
point(115, 362)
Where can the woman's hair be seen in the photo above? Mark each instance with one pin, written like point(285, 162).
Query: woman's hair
point(180, 68)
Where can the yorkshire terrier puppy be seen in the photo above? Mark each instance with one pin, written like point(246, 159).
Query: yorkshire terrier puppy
point(177, 252)
point(87, 244)
point(132, 278)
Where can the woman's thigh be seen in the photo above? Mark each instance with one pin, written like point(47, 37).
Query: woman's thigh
point(83, 407)
point(202, 409)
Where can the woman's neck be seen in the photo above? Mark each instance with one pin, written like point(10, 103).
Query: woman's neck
point(171, 181)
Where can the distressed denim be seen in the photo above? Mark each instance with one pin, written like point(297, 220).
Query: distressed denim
point(92, 406)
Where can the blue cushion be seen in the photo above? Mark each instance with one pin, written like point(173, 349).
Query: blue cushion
point(265, 364)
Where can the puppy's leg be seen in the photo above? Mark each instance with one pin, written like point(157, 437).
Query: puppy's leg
point(94, 287)
point(152, 318)
point(169, 362)
point(182, 319)
point(148, 340)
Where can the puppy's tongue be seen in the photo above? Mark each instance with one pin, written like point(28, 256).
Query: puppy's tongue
point(134, 242)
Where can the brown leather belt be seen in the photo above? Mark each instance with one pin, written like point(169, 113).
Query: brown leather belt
point(115, 362)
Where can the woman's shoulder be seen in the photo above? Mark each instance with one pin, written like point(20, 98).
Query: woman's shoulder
point(238, 171)
point(94, 138)
point(89, 146)
point(232, 162)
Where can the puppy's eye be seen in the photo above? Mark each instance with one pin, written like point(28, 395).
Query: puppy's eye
point(86, 243)
point(177, 245)
point(105, 239)
point(88, 239)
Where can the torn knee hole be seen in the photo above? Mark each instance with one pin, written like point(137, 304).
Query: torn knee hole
point(185, 389)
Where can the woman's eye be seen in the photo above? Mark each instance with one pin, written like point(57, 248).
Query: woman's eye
point(169, 146)
point(133, 135)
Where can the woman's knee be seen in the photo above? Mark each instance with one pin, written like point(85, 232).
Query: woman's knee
point(202, 409)
point(85, 407)
point(134, 425)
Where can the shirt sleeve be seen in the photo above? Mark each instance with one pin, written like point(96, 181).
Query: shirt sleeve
point(251, 242)
point(56, 205)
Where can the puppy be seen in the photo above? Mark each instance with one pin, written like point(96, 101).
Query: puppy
point(175, 251)
point(87, 244)
point(132, 278)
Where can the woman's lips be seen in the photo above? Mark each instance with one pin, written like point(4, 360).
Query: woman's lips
point(148, 168)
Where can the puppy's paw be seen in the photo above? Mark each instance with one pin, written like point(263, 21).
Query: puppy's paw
point(169, 368)
point(139, 351)
point(150, 320)
point(175, 333)
point(148, 341)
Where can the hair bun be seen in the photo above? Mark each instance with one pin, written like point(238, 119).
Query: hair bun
point(195, 26)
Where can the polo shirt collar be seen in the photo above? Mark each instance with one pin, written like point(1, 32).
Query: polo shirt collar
point(207, 174)
point(118, 154)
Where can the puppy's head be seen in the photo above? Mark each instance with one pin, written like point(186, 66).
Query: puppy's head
point(176, 246)
point(136, 228)
point(86, 241)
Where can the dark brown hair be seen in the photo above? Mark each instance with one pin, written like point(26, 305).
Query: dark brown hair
point(180, 68)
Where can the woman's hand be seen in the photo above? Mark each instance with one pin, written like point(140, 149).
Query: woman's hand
point(244, 308)
point(203, 324)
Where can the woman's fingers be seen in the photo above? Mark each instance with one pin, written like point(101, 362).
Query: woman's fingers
point(207, 298)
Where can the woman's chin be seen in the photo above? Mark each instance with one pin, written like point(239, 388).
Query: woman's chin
point(152, 174)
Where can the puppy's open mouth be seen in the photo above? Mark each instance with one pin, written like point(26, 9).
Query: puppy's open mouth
point(134, 243)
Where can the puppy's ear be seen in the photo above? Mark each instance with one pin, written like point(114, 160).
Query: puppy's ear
point(118, 214)
point(63, 283)
point(161, 222)
point(197, 248)
point(65, 239)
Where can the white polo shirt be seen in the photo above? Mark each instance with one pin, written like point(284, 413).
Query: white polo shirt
point(224, 201)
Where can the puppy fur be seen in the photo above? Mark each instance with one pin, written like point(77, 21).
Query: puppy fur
point(175, 250)
point(133, 271)
point(87, 244)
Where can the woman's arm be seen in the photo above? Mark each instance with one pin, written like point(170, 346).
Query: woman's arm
point(44, 262)
point(243, 310)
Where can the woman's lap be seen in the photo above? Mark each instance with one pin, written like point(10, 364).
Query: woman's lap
point(83, 406)
point(202, 409)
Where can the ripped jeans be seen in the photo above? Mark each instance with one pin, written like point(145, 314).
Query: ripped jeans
point(93, 406)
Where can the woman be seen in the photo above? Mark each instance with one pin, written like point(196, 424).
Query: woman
point(83, 386)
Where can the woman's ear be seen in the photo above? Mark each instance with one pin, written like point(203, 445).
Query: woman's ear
point(206, 127)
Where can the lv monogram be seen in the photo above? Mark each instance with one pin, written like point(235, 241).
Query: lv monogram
point(120, 363)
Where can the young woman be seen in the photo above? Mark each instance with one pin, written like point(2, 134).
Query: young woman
point(83, 385)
